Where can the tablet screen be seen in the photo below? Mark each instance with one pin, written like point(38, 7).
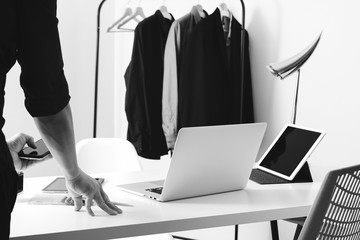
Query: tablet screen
point(290, 150)
point(59, 185)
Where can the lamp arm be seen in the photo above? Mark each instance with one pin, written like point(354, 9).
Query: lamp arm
point(294, 110)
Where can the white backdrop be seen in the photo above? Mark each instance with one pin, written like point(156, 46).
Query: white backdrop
point(278, 29)
point(329, 96)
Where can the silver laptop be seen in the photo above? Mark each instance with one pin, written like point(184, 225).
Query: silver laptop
point(206, 160)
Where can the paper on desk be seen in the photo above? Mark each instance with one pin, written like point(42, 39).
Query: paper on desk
point(48, 199)
point(59, 199)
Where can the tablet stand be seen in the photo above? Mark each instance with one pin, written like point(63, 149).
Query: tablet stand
point(262, 177)
point(304, 175)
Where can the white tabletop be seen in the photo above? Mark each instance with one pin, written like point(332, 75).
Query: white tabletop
point(143, 216)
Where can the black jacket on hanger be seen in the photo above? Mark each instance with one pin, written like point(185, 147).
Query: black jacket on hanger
point(176, 43)
point(143, 79)
point(210, 77)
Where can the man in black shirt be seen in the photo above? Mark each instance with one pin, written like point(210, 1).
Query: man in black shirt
point(29, 35)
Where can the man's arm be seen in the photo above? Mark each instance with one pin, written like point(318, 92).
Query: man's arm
point(58, 134)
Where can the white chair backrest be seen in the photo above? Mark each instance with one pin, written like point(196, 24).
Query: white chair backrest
point(109, 155)
point(105, 155)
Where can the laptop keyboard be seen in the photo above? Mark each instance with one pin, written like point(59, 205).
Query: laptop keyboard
point(157, 190)
point(262, 177)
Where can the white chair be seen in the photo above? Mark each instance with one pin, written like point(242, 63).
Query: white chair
point(106, 155)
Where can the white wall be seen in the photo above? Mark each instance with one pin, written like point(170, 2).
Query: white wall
point(328, 97)
point(77, 28)
point(279, 29)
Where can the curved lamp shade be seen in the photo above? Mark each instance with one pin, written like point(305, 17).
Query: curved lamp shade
point(287, 67)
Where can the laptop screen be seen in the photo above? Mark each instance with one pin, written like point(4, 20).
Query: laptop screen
point(290, 150)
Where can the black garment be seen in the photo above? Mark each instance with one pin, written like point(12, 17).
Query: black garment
point(210, 84)
point(143, 79)
point(8, 188)
point(29, 35)
point(187, 24)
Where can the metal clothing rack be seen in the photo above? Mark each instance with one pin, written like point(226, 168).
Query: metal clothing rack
point(242, 47)
point(274, 226)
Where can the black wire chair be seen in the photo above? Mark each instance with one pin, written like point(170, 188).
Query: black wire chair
point(335, 214)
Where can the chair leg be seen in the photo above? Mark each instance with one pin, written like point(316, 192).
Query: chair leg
point(274, 230)
point(297, 231)
point(236, 231)
point(182, 238)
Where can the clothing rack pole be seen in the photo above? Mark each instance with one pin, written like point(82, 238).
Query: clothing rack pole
point(97, 66)
point(242, 58)
point(242, 47)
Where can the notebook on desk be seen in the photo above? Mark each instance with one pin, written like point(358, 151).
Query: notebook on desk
point(206, 160)
point(285, 159)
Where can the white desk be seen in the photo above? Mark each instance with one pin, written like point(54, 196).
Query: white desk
point(257, 203)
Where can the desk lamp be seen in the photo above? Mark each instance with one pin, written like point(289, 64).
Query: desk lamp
point(291, 65)
point(284, 69)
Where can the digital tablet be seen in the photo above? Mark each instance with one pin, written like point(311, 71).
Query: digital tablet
point(59, 186)
point(289, 151)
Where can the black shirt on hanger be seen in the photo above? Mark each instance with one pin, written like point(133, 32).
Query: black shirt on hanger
point(144, 81)
point(210, 83)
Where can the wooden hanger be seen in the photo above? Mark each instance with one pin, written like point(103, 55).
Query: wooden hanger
point(127, 16)
point(200, 10)
point(128, 12)
point(164, 11)
point(224, 11)
point(138, 12)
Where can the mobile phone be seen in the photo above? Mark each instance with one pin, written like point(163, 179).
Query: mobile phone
point(59, 186)
point(38, 153)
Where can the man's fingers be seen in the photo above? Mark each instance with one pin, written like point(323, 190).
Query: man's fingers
point(78, 203)
point(29, 141)
point(76, 198)
point(84, 185)
point(88, 206)
point(108, 202)
point(101, 203)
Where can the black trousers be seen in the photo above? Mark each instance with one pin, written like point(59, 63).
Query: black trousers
point(8, 188)
point(28, 35)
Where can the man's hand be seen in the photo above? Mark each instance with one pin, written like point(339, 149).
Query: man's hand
point(92, 190)
point(16, 144)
